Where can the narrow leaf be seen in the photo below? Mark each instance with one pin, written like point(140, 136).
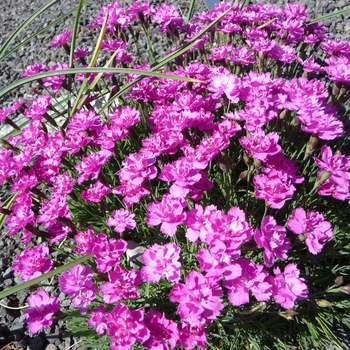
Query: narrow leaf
point(26, 80)
point(30, 19)
point(43, 277)
point(329, 15)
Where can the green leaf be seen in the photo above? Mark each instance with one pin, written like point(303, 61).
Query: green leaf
point(58, 20)
point(7, 205)
point(43, 277)
point(190, 11)
point(329, 15)
point(23, 81)
point(23, 25)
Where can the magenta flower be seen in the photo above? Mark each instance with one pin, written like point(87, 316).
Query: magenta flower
point(92, 164)
point(273, 239)
point(338, 167)
point(33, 69)
point(42, 308)
point(274, 188)
point(163, 331)
point(245, 276)
point(107, 252)
point(32, 262)
point(167, 17)
point(77, 283)
point(192, 337)
point(61, 39)
point(122, 219)
point(123, 326)
point(122, 285)
point(199, 299)
point(288, 286)
point(85, 120)
point(161, 261)
point(168, 212)
point(55, 82)
point(95, 193)
point(84, 241)
point(260, 145)
point(313, 226)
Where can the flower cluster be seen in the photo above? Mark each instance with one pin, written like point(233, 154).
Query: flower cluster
point(214, 176)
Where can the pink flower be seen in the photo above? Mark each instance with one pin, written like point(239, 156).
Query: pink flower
point(274, 188)
point(168, 212)
point(163, 331)
point(107, 252)
point(95, 193)
point(42, 308)
point(92, 164)
point(33, 69)
point(32, 262)
point(85, 120)
point(192, 336)
point(84, 241)
point(56, 81)
point(167, 17)
point(312, 225)
point(288, 286)
point(122, 285)
point(77, 283)
point(338, 168)
point(161, 261)
point(199, 299)
point(260, 145)
point(61, 39)
point(245, 276)
point(273, 239)
point(122, 219)
point(123, 326)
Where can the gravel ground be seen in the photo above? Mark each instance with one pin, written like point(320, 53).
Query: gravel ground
point(12, 13)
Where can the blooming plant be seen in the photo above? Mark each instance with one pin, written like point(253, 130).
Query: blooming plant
point(202, 197)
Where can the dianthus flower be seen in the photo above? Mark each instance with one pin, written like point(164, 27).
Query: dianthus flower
point(169, 213)
point(107, 252)
point(95, 193)
point(245, 276)
point(199, 299)
point(312, 225)
point(92, 164)
point(85, 120)
point(288, 286)
point(122, 285)
point(167, 17)
point(63, 184)
point(33, 69)
point(161, 261)
point(56, 81)
point(260, 145)
point(192, 337)
point(77, 283)
point(42, 308)
point(163, 331)
point(38, 107)
point(32, 262)
point(62, 38)
point(338, 168)
point(274, 188)
point(84, 241)
point(123, 326)
point(273, 239)
point(122, 219)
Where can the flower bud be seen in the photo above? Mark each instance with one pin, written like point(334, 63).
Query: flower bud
point(323, 303)
point(339, 281)
point(345, 289)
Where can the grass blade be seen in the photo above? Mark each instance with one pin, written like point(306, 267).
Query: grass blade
point(190, 11)
point(7, 205)
point(23, 25)
point(58, 20)
point(23, 81)
point(74, 34)
point(43, 277)
point(92, 62)
point(329, 15)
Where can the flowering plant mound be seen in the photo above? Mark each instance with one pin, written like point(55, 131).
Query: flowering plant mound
point(201, 206)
